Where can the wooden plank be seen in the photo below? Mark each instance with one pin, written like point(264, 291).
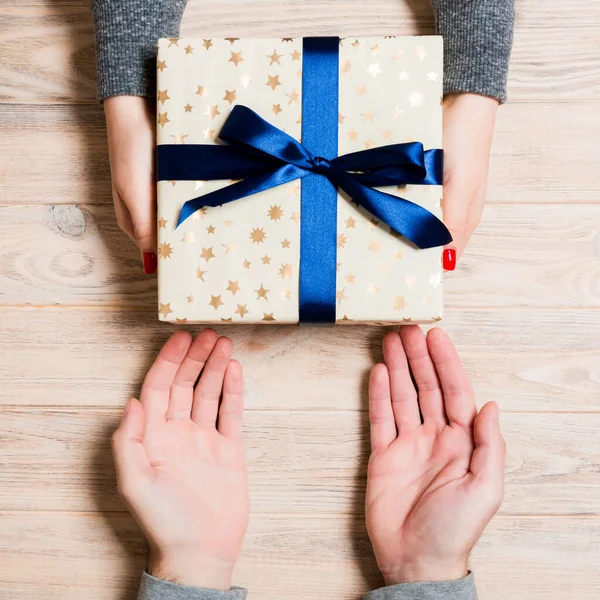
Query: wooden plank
point(546, 360)
point(59, 460)
point(60, 62)
point(50, 556)
point(78, 256)
point(531, 161)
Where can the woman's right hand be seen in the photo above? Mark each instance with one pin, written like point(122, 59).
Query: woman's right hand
point(131, 143)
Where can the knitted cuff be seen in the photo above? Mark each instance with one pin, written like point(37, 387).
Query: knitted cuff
point(126, 35)
point(478, 37)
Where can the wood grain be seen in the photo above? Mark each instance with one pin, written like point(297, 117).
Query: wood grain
point(71, 255)
point(286, 556)
point(545, 154)
point(61, 460)
point(59, 64)
point(546, 360)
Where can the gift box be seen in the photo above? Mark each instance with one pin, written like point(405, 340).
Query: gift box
point(299, 180)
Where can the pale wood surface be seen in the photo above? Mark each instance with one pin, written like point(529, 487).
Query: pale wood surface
point(78, 327)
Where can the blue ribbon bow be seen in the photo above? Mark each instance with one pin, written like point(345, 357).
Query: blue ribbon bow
point(263, 157)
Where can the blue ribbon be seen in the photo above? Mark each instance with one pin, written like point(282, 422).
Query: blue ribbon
point(264, 157)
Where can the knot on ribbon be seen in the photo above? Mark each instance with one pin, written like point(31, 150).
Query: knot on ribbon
point(320, 165)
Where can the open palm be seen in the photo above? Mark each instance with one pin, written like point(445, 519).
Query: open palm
point(180, 458)
point(436, 469)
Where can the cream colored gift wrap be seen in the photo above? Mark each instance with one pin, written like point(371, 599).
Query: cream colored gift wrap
point(240, 262)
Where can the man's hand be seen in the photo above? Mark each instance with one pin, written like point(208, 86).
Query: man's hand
point(434, 485)
point(180, 461)
point(131, 143)
point(468, 129)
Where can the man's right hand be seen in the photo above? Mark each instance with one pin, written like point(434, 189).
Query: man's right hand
point(131, 143)
point(432, 486)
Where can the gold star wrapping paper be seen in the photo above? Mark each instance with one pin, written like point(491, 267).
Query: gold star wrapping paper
point(239, 263)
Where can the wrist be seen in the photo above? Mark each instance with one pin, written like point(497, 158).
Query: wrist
point(191, 570)
point(424, 571)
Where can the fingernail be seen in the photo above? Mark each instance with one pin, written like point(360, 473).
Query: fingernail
point(449, 259)
point(150, 263)
point(127, 408)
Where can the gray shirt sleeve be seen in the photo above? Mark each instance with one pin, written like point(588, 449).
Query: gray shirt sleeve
point(463, 589)
point(152, 588)
point(477, 43)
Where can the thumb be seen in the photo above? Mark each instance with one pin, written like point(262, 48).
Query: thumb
point(131, 460)
point(487, 462)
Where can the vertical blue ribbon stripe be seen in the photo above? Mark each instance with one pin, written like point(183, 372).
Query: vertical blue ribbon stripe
point(319, 197)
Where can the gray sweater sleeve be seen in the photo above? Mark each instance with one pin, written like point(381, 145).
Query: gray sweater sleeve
point(152, 588)
point(463, 589)
point(477, 43)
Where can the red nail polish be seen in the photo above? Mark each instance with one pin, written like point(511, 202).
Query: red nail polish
point(449, 259)
point(150, 263)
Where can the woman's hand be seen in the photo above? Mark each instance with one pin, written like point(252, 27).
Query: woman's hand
point(180, 461)
point(434, 485)
point(131, 143)
point(468, 129)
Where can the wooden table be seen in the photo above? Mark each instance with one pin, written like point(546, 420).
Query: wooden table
point(79, 327)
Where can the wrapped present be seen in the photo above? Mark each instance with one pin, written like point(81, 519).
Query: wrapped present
point(299, 180)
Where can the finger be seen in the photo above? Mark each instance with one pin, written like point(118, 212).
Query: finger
point(231, 410)
point(182, 390)
point(404, 395)
point(131, 460)
point(381, 415)
point(487, 463)
point(208, 390)
point(431, 400)
point(157, 385)
point(143, 214)
point(459, 399)
point(123, 217)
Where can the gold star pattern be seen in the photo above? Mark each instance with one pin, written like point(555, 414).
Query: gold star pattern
point(246, 264)
point(361, 90)
point(188, 108)
point(190, 299)
point(287, 39)
point(268, 317)
point(236, 58)
point(224, 320)
point(399, 303)
point(285, 271)
point(179, 138)
point(367, 116)
point(276, 109)
point(162, 65)
point(398, 56)
point(213, 111)
point(207, 44)
point(242, 310)
point(345, 66)
point(230, 96)
point(397, 112)
point(275, 58)
point(341, 295)
point(201, 91)
point(353, 135)
point(208, 133)
point(350, 223)
point(369, 143)
point(386, 134)
point(341, 118)
point(296, 55)
point(200, 274)
point(374, 246)
point(258, 235)
point(207, 254)
point(184, 320)
point(163, 96)
point(261, 292)
point(210, 229)
point(399, 255)
point(375, 49)
point(228, 223)
point(293, 96)
point(350, 278)
point(165, 250)
point(165, 309)
point(162, 223)
point(273, 82)
point(231, 40)
point(285, 244)
point(163, 119)
point(286, 295)
point(356, 45)
point(233, 287)
point(266, 260)
point(189, 49)
point(341, 240)
point(228, 248)
point(295, 217)
point(173, 42)
point(215, 302)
